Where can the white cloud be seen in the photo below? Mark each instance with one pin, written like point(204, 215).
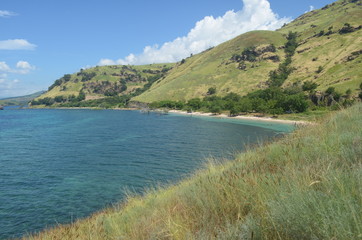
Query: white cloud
point(311, 8)
point(4, 67)
point(105, 61)
point(16, 44)
point(4, 13)
point(23, 67)
point(6, 84)
point(208, 32)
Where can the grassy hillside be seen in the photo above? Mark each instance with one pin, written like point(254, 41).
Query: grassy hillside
point(324, 46)
point(305, 186)
point(214, 68)
point(104, 81)
point(337, 54)
point(329, 53)
point(20, 101)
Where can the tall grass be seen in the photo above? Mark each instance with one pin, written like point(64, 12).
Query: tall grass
point(305, 186)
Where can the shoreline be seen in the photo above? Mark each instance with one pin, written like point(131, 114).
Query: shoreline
point(200, 114)
point(239, 117)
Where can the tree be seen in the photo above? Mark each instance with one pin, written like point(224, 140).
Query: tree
point(245, 105)
point(291, 44)
point(215, 108)
point(59, 99)
point(295, 103)
point(81, 96)
point(67, 77)
point(234, 110)
point(232, 97)
point(195, 103)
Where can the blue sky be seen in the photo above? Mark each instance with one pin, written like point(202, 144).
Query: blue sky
point(42, 40)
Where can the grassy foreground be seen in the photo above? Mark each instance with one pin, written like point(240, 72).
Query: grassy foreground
point(305, 186)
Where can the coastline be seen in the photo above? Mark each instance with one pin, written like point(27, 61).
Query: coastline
point(252, 118)
point(200, 114)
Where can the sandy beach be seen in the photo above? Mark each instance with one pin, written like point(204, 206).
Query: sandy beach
point(253, 118)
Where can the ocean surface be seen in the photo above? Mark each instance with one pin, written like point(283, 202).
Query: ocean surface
point(60, 165)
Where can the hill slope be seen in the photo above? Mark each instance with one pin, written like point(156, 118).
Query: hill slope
point(214, 68)
point(337, 53)
point(20, 101)
point(329, 53)
point(306, 186)
point(102, 82)
point(331, 41)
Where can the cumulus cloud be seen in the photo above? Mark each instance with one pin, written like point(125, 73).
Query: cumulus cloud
point(16, 44)
point(9, 84)
point(22, 67)
point(104, 62)
point(4, 13)
point(4, 67)
point(208, 32)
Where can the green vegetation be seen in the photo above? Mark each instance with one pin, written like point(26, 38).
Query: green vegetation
point(304, 186)
point(278, 77)
point(321, 46)
point(332, 58)
point(221, 67)
point(103, 87)
point(273, 100)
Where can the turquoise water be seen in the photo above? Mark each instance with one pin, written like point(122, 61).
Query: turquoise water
point(60, 165)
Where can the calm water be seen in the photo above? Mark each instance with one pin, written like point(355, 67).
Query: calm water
point(59, 165)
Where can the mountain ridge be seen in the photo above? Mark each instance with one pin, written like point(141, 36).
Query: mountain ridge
point(20, 100)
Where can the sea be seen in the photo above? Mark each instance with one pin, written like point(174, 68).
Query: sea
point(59, 165)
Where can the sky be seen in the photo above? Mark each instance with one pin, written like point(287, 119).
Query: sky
point(41, 40)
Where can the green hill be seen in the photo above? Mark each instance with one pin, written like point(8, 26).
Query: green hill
point(118, 83)
point(321, 44)
point(328, 54)
point(330, 40)
point(215, 68)
point(20, 101)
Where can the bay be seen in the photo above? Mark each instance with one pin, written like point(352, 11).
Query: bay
point(60, 165)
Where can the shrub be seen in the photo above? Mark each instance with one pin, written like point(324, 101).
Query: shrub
point(309, 86)
point(211, 91)
point(320, 69)
point(330, 90)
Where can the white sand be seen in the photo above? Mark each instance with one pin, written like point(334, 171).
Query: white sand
point(267, 119)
